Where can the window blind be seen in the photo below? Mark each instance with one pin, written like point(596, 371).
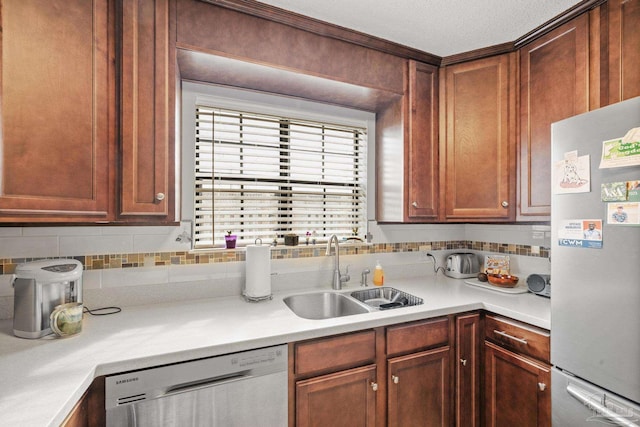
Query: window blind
point(262, 176)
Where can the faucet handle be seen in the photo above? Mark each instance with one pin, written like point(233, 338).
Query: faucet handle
point(345, 277)
point(363, 281)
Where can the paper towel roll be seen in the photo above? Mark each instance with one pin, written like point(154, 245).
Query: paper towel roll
point(258, 272)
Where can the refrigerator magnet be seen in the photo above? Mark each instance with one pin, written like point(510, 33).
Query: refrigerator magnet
point(580, 233)
point(627, 213)
point(613, 191)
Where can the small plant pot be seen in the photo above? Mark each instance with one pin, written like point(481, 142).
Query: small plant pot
point(291, 240)
point(230, 241)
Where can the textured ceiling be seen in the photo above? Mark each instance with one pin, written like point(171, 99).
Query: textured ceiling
point(439, 27)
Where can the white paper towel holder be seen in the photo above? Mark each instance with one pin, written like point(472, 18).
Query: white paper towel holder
point(248, 298)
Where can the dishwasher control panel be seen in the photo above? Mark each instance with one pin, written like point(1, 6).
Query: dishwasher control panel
point(159, 381)
point(260, 357)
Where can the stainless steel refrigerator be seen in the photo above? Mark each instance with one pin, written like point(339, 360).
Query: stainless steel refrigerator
point(595, 270)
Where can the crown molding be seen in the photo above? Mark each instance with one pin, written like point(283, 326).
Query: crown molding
point(325, 29)
point(557, 21)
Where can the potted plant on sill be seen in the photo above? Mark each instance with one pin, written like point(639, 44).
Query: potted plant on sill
point(230, 240)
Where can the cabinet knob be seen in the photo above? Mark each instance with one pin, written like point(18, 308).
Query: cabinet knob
point(505, 204)
point(414, 204)
point(395, 379)
point(464, 362)
point(374, 386)
point(159, 197)
point(542, 386)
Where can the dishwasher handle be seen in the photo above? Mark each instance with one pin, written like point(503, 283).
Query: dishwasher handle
point(207, 383)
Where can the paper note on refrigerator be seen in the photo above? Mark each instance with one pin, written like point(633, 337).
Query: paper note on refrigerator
point(620, 152)
point(571, 175)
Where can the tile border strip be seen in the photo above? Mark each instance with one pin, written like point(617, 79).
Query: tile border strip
point(111, 261)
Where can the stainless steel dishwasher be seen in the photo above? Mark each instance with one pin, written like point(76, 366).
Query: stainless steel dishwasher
point(239, 389)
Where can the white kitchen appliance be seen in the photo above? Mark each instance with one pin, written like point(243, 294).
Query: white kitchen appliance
point(540, 284)
point(239, 389)
point(39, 287)
point(595, 314)
point(462, 265)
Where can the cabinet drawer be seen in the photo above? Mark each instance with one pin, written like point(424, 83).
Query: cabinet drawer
point(518, 337)
point(335, 353)
point(416, 336)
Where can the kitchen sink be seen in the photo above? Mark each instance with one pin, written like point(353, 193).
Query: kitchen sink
point(386, 297)
point(327, 305)
point(324, 305)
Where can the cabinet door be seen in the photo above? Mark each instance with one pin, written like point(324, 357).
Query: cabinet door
point(468, 339)
point(147, 108)
point(345, 398)
point(419, 389)
point(421, 153)
point(554, 85)
point(622, 50)
point(478, 154)
point(517, 390)
point(57, 110)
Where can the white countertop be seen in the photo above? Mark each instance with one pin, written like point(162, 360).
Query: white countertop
point(43, 379)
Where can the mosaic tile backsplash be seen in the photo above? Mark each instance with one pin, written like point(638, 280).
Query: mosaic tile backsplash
point(111, 261)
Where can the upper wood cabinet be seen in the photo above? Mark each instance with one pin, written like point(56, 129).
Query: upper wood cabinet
point(407, 185)
point(421, 150)
point(147, 73)
point(620, 35)
point(58, 86)
point(73, 73)
point(478, 141)
point(554, 85)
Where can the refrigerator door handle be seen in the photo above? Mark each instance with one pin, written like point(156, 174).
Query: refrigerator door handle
point(588, 400)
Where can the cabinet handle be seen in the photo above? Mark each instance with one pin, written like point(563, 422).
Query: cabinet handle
point(505, 204)
point(506, 335)
point(414, 204)
point(542, 386)
point(159, 197)
point(395, 379)
point(464, 362)
point(374, 386)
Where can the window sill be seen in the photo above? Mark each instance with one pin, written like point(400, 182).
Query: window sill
point(348, 245)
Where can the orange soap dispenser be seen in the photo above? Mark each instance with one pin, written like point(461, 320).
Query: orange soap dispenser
point(378, 275)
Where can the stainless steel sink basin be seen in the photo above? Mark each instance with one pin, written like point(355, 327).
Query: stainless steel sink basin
point(385, 297)
point(324, 305)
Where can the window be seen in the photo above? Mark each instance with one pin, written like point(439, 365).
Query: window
point(265, 176)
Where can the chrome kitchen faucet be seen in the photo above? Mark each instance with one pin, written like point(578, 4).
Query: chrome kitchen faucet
point(338, 278)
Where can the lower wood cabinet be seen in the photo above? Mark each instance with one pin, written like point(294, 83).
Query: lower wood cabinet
point(517, 389)
point(396, 376)
point(467, 369)
point(517, 374)
point(346, 398)
point(89, 411)
point(419, 389)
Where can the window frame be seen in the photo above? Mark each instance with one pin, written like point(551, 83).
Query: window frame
point(194, 94)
